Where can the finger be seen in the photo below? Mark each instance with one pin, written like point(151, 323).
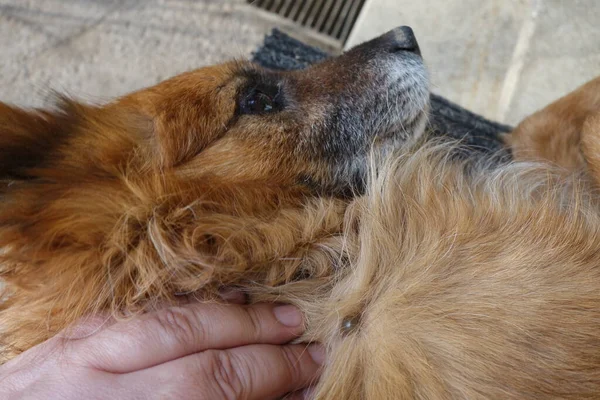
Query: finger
point(86, 327)
point(175, 332)
point(248, 372)
point(304, 394)
point(298, 395)
point(233, 295)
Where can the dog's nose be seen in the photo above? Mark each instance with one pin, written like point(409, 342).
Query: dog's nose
point(400, 39)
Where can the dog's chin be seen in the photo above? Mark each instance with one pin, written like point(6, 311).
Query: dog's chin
point(406, 124)
point(408, 131)
point(348, 179)
point(400, 135)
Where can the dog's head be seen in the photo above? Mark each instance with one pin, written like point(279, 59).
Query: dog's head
point(313, 127)
point(241, 123)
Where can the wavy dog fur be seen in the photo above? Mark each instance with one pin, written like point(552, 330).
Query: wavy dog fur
point(463, 282)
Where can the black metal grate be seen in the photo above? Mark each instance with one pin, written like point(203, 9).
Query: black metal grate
point(333, 18)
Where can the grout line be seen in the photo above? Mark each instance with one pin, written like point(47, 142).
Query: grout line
point(357, 23)
point(517, 62)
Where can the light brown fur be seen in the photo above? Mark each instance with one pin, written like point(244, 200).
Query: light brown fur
point(466, 280)
point(554, 134)
point(462, 285)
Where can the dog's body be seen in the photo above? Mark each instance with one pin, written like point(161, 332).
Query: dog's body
point(465, 283)
point(447, 279)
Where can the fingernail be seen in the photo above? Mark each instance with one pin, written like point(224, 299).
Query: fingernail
point(288, 315)
point(317, 352)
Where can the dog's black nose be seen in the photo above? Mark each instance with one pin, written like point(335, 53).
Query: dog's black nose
point(400, 39)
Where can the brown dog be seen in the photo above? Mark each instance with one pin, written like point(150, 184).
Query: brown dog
point(447, 280)
point(215, 177)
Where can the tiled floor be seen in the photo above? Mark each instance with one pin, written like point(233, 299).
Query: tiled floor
point(501, 58)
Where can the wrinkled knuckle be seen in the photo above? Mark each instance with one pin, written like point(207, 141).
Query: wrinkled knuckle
point(255, 322)
point(180, 324)
point(225, 376)
point(292, 364)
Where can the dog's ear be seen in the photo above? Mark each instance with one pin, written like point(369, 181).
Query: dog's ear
point(188, 112)
point(28, 139)
point(554, 133)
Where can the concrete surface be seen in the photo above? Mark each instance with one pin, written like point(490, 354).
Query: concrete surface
point(564, 52)
point(501, 58)
point(96, 49)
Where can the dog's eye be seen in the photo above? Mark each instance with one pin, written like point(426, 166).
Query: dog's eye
point(258, 102)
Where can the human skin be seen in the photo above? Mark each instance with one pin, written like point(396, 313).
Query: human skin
point(194, 350)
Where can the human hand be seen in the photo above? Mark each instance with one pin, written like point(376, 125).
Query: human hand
point(200, 351)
